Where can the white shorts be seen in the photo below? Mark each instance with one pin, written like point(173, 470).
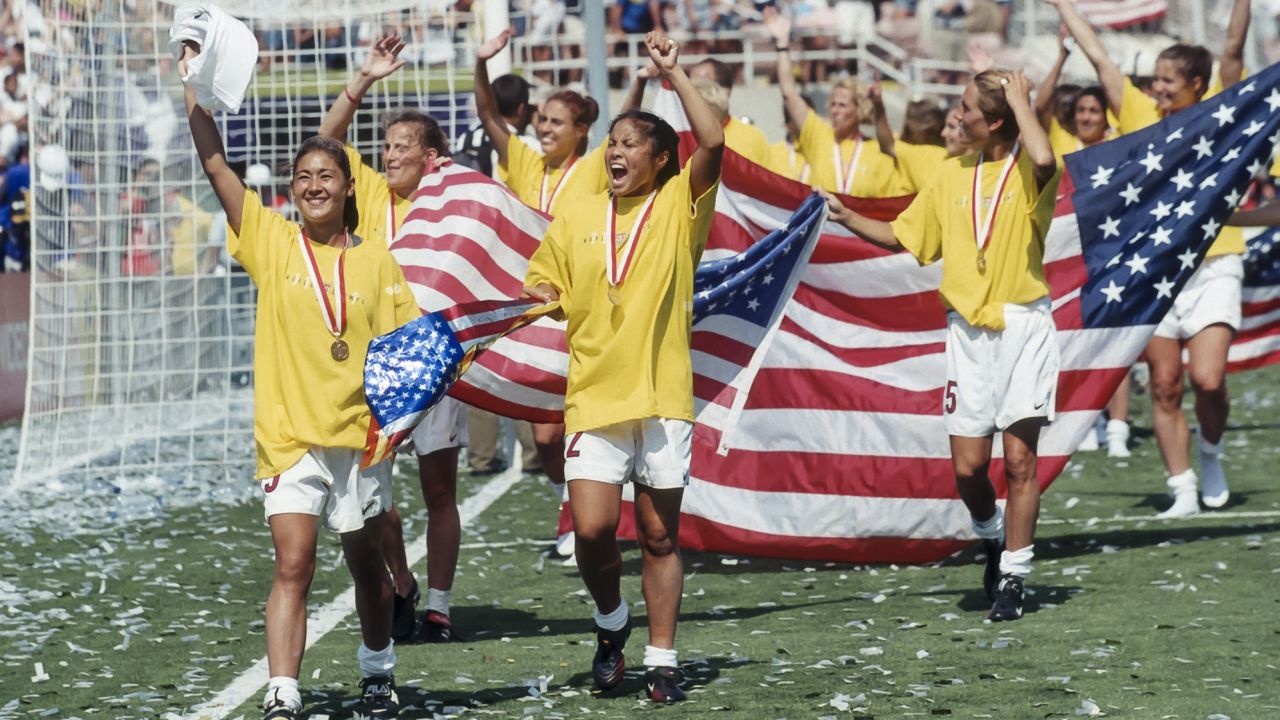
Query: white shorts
point(1211, 297)
point(655, 451)
point(443, 428)
point(996, 378)
point(328, 483)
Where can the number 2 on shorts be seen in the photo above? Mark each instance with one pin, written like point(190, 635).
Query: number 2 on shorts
point(949, 397)
point(571, 451)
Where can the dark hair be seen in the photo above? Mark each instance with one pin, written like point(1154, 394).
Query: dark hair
point(723, 74)
point(923, 123)
point(335, 150)
point(1193, 61)
point(663, 137)
point(1092, 91)
point(585, 111)
point(511, 91)
point(430, 136)
point(1063, 103)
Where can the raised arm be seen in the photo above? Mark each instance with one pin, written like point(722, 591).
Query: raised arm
point(635, 95)
point(1231, 66)
point(383, 59)
point(1044, 94)
point(876, 232)
point(495, 126)
point(884, 134)
point(213, 156)
point(1109, 75)
point(1017, 92)
point(1267, 215)
point(779, 26)
point(704, 165)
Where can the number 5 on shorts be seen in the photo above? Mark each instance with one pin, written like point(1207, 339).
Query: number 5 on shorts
point(949, 397)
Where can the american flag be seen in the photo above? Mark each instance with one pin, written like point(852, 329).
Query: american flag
point(1116, 14)
point(1258, 342)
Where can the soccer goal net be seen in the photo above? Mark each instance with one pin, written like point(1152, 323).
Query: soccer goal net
point(141, 333)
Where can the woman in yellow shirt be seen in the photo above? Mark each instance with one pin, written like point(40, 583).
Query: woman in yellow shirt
point(989, 223)
point(323, 294)
point(1206, 314)
point(621, 263)
point(564, 172)
point(840, 158)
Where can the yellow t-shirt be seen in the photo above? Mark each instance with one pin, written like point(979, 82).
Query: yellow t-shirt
point(747, 141)
point(632, 360)
point(525, 169)
point(788, 161)
point(916, 165)
point(373, 196)
point(874, 176)
point(1137, 111)
point(1062, 141)
point(938, 224)
point(303, 398)
point(188, 235)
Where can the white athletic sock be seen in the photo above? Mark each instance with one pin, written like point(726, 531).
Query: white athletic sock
point(438, 600)
point(380, 662)
point(615, 620)
point(1182, 488)
point(1017, 562)
point(1213, 480)
point(1117, 439)
point(992, 528)
point(284, 688)
point(659, 657)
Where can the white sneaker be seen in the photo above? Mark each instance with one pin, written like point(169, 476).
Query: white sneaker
point(1213, 480)
point(1182, 487)
point(1117, 439)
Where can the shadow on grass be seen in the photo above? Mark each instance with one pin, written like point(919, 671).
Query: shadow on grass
point(425, 702)
point(1090, 542)
point(975, 600)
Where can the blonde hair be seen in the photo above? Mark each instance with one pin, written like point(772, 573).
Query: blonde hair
point(994, 104)
point(715, 96)
point(859, 90)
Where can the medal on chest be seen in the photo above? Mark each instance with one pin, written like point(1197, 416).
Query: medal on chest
point(984, 216)
point(334, 314)
point(845, 175)
point(616, 271)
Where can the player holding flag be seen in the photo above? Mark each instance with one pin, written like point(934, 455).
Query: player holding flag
point(987, 213)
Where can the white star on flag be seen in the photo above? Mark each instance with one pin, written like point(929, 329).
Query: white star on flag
point(1110, 227)
point(1211, 228)
point(1188, 259)
point(1183, 179)
point(1130, 194)
point(1203, 147)
point(1162, 236)
point(1185, 208)
point(1255, 127)
point(1210, 181)
point(1137, 264)
point(1224, 114)
point(1112, 291)
point(1231, 155)
point(1101, 176)
point(1164, 288)
point(1273, 100)
point(1162, 209)
point(1152, 162)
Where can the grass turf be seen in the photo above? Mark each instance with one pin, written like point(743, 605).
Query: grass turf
point(1130, 617)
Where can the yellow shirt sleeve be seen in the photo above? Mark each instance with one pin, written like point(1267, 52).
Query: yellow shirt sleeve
point(524, 171)
point(548, 264)
point(262, 235)
point(918, 229)
point(1137, 109)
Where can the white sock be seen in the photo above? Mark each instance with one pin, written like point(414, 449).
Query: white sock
point(1017, 562)
point(438, 601)
point(615, 620)
point(1213, 480)
point(992, 528)
point(1182, 483)
point(659, 657)
point(283, 688)
point(380, 662)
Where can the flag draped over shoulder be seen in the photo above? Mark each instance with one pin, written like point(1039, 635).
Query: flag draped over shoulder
point(1258, 342)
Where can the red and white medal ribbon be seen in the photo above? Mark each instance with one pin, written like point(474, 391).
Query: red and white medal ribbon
point(982, 225)
point(546, 201)
point(844, 183)
point(614, 272)
point(391, 216)
point(334, 314)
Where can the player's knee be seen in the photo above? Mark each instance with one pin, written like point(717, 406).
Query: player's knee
point(1019, 468)
point(295, 569)
point(548, 434)
point(658, 544)
point(1207, 382)
point(439, 499)
point(1166, 391)
point(969, 469)
point(587, 532)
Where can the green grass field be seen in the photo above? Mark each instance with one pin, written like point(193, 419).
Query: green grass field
point(1130, 617)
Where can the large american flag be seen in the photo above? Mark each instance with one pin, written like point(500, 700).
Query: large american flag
point(1258, 342)
point(839, 452)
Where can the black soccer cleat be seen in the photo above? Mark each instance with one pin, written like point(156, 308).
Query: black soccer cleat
point(608, 664)
point(277, 709)
point(438, 628)
point(404, 614)
point(663, 684)
point(378, 699)
point(1009, 596)
point(991, 574)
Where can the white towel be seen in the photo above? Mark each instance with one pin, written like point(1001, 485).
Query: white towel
point(221, 72)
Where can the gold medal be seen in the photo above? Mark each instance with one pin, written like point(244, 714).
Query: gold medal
point(982, 261)
point(339, 350)
point(615, 295)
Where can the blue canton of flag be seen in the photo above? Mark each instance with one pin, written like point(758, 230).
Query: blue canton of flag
point(1262, 259)
point(755, 284)
point(1150, 204)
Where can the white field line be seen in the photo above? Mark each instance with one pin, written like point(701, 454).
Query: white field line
point(1201, 516)
point(251, 681)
